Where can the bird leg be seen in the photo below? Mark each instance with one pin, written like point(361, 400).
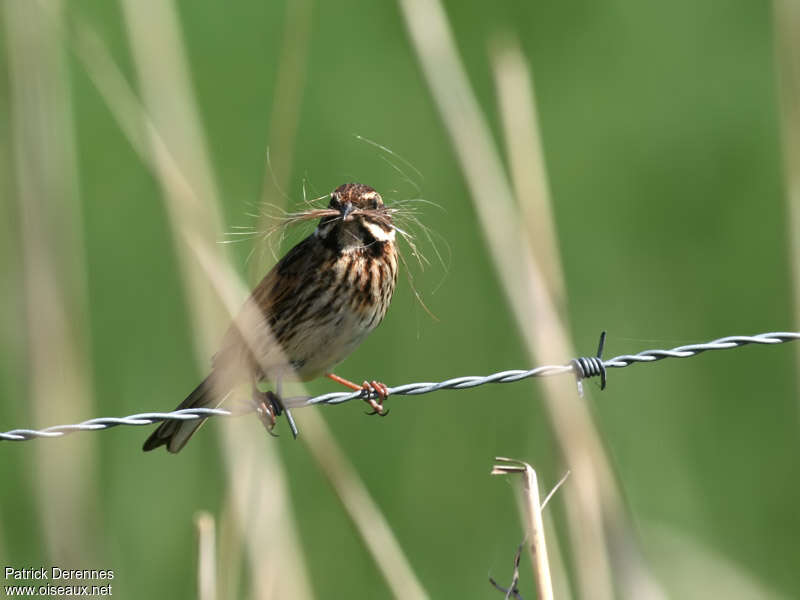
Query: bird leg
point(368, 388)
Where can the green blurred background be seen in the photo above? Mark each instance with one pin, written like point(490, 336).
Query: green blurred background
point(662, 138)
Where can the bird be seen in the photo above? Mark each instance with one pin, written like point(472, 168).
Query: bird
point(308, 313)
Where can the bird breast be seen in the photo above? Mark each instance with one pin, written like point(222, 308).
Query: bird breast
point(346, 312)
point(327, 309)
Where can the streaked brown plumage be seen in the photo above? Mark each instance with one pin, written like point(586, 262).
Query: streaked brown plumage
point(310, 311)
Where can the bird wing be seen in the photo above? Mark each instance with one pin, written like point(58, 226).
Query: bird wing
point(250, 342)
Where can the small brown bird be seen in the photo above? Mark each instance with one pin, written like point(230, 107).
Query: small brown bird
point(310, 311)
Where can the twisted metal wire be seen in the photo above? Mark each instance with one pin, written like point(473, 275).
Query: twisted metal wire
point(582, 368)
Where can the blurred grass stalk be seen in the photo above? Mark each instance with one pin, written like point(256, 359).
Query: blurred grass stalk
point(786, 24)
point(284, 118)
point(183, 168)
point(259, 490)
point(517, 107)
point(517, 102)
point(206, 556)
point(59, 366)
point(601, 536)
point(164, 81)
point(364, 513)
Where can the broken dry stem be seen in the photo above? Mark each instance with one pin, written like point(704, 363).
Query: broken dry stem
point(535, 526)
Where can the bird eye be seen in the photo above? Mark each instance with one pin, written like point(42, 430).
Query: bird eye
point(334, 203)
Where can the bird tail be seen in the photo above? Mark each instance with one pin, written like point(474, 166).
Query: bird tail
point(175, 434)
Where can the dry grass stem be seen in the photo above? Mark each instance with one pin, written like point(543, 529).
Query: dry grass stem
point(264, 516)
point(177, 154)
point(206, 556)
point(555, 489)
point(533, 519)
point(362, 510)
point(512, 591)
point(786, 18)
point(593, 501)
point(284, 118)
point(163, 74)
point(231, 549)
point(54, 275)
point(517, 106)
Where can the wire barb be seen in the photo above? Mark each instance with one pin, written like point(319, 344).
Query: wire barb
point(587, 367)
point(591, 366)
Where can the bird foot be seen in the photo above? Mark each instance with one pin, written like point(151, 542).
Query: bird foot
point(368, 388)
point(268, 409)
point(375, 387)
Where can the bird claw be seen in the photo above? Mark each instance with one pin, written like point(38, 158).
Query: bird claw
point(368, 388)
point(268, 408)
point(376, 387)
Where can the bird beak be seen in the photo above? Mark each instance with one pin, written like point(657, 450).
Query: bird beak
point(346, 210)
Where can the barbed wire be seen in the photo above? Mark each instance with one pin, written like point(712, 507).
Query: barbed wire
point(582, 368)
